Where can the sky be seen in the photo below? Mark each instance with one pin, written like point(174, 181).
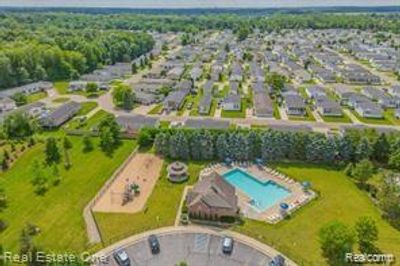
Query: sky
point(196, 3)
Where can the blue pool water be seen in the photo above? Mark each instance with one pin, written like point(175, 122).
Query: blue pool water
point(263, 194)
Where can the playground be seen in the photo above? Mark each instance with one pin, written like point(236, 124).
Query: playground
point(129, 191)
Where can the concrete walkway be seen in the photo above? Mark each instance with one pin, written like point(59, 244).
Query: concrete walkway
point(267, 250)
point(317, 117)
point(352, 117)
point(283, 113)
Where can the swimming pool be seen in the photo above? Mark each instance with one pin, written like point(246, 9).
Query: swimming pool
point(263, 194)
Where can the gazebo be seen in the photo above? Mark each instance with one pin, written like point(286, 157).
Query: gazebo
point(177, 172)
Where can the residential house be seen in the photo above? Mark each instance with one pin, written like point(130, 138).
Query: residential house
point(175, 100)
point(28, 88)
point(263, 106)
point(232, 103)
point(133, 123)
point(7, 104)
point(368, 109)
point(205, 104)
point(60, 115)
point(234, 87)
point(294, 104)
point(315, 91)
point(344, 93)
point(327, 107)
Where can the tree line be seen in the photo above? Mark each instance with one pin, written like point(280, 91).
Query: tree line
point(274, 145)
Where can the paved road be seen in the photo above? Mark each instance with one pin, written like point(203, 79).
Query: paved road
point(195, 245)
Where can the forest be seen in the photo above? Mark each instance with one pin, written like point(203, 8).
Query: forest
point(29, 52)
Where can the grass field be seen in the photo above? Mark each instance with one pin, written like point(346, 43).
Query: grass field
point(61, 87)
point(389, 115)
point(87, 107)
point(88, 124)
point(337, 119)
point(58, 213)
point(156, 110)
point(36, 96)
point(339, 199)
point(60, 100)
point(160, 210)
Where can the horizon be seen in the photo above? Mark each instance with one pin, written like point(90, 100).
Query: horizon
point(191, 4)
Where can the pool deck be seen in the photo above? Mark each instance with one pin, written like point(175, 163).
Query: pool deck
point(297, 198)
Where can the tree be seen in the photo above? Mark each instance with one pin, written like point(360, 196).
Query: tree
point(381, 149)
point(336, 240)
point(92, 87)
point(87, 143)
point(18, 125)
point(367, 234)
point(20, 98)
point(394, 160)
point(4, 164)
point(39, 179)
point(109, 132)
point(52, 152)
point(363, 150)
point(134, 68)
point(243, 32)
point(67, 144)
point(56, 175)
point(276, 81)
point(123, 96)
point(363, 171)
point(389, 200)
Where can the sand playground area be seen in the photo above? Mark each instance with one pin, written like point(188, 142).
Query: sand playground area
point(142, 171)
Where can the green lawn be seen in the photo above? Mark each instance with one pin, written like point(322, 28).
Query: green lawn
point(87, 107)
point(59, 212)
point(88, 124)
point(389, 115)
point(236, 114)
point(165, 124)
point(156, 110)
point(61, 100)
point(276, 113)
point(339, 199)
point(61, 87)
point(160, 210)
point(36, 96)
point(337, 119)
point(374, 121)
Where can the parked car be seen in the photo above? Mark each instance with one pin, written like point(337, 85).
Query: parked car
point(121, 257)
point(154, 244)
point(277, 261)
point(227, 245)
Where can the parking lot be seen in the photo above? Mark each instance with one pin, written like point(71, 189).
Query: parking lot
point(196, 249)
